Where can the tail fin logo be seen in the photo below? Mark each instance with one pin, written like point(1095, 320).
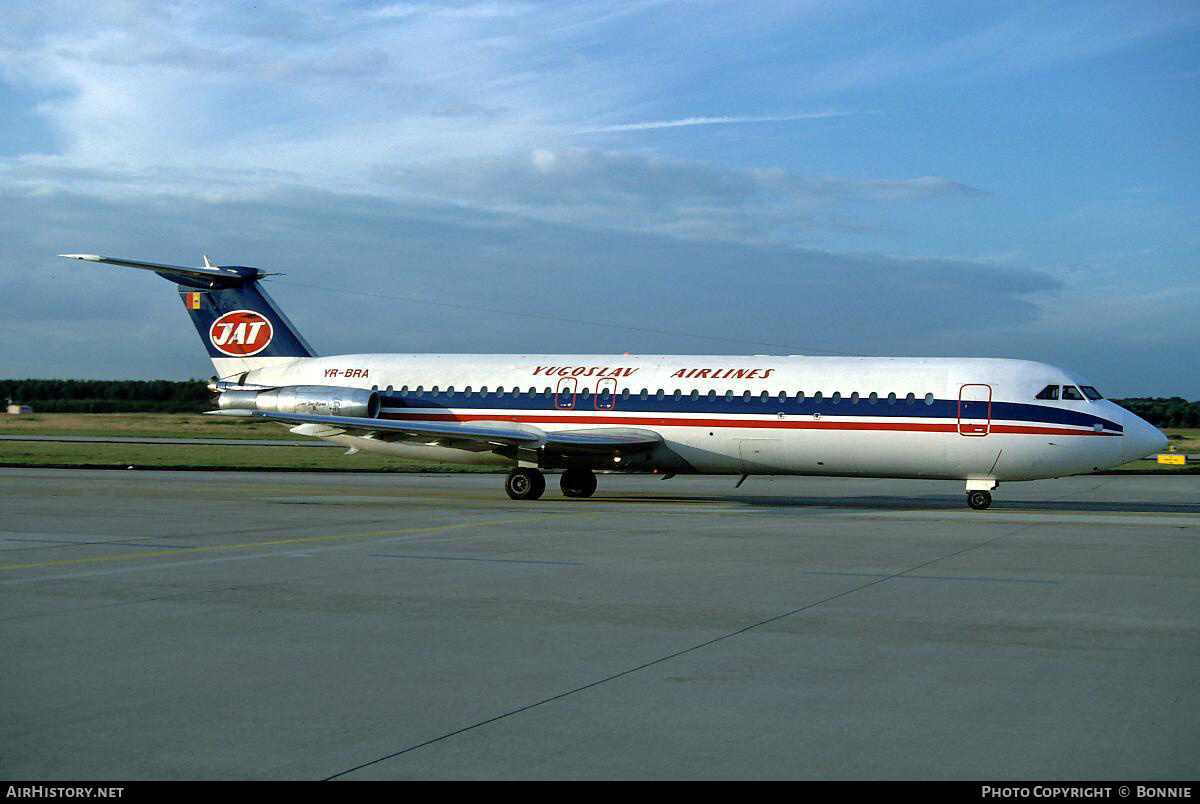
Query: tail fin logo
point(240, 333)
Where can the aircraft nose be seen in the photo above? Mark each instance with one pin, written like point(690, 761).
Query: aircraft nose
point(1141, 438)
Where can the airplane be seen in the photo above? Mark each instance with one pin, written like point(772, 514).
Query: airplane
point(980, 420)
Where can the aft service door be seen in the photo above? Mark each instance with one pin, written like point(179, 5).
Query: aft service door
point(975, 410)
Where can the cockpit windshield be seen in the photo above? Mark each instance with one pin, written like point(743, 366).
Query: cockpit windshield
point(1069, 392)
point(1049, 392)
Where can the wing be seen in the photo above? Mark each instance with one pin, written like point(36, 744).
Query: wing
point(477, 436)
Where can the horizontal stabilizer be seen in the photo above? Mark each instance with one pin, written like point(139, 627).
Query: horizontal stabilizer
point(216, 274)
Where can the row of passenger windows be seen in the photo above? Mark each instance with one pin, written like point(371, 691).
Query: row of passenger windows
point(1069, 393)
point(835, 398)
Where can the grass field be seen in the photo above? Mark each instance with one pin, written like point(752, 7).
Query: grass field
point(1182, 440)
point(143, 425)
point(168, 425)
point(188, 456)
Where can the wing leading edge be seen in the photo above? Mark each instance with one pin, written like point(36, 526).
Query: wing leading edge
point(478, 436)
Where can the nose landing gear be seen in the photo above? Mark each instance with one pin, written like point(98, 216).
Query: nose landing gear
point(979, 500)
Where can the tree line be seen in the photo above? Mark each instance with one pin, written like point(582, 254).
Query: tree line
point(192, 396)
point(109, 396)
point(1164, 412)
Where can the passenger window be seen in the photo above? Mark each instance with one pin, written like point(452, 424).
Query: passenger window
point(694, 395)
point(585, 394)
point(892, 398)
point(1072, 393)
point(1049, 392)
point(782, 397)
point(817, 398)
point(928, 399)
point(836, 398)
point(675, 396)
point(729, 396)
point(873, 398)
point(910, 398)
point(659, 394)
point(712, 395)
point(746, 396)
point(854, 398)
point(799, 396)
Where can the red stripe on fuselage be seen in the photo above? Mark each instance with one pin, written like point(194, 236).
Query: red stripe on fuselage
point(656, 421)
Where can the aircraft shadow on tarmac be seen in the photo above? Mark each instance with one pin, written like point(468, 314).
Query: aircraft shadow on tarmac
point(929, 503)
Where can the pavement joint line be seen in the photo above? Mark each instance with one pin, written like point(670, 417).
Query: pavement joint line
point(925, 577)
point(663, 659)
point(192, 551)
point(474, 558)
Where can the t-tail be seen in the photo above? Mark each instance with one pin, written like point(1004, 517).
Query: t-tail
point(240, 325)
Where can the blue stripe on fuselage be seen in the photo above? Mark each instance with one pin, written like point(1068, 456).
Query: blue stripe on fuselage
point(939, 409)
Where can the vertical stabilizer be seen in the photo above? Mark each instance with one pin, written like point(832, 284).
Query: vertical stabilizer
point(240, 325)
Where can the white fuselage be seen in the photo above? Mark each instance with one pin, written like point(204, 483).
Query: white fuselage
point(973, 419)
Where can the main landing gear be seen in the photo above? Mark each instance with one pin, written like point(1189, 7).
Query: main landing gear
point(525, 483)
point(578, 483)
point(979, 500)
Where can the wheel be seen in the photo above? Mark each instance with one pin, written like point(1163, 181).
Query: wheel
point(578, 483)
point(525, 484)
point(979, 500)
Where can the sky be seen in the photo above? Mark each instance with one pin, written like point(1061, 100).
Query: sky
point(934, 179)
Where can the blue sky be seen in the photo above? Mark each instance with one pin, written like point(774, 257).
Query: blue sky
point(1003, 179)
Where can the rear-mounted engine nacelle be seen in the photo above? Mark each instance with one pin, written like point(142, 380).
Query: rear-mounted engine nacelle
point(321, 400)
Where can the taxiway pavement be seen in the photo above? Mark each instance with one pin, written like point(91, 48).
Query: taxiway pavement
point(180, 625)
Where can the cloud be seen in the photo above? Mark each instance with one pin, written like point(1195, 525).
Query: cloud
point(436, 148)
point(102, 321)
point(709, 121)
point(652, 193)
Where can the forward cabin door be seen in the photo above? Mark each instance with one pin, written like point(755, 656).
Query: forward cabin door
point(564, 395)
point(975, 410)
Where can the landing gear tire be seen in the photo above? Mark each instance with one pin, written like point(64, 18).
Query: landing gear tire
point(578, 483)
point(979, 500)
point(525, 484)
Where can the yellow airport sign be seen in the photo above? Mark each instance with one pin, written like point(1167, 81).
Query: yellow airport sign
point(1178, 460)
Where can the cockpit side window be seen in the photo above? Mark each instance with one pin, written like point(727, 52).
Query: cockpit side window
point(1072, 393)
point(1090, 392)
point(1049, 392)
